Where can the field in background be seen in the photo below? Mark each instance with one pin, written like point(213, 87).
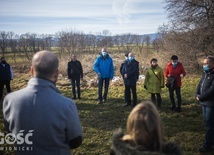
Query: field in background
point(100, 121)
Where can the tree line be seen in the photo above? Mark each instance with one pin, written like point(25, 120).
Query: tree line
point(69, 42)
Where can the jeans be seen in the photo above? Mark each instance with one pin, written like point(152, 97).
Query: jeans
point(208, 115)
point(75, 82)
point(2, 83)
point(128, 89)
point(178, 94)
point(100, 88)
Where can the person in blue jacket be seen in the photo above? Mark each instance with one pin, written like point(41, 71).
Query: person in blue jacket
point(104, 68)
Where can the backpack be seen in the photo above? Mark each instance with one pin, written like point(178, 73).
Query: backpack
point(171, 83)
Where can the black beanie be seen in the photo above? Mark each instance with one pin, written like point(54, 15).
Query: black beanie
point(174, 57)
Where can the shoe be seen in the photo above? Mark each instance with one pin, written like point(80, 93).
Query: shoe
point(79, 98)
point(205, 148)
point(105, 101)
point(74, 98)
point(126, 105)
point(177, 109)
point(99, 102)
point(172, 108)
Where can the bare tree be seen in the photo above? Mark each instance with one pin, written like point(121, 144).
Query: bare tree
point(195, 19)
point(146, 40)
point(117, 42)
point(137, 39)
point(127, 42)
point(13, 43)
point(23, 45)
point(3, 41)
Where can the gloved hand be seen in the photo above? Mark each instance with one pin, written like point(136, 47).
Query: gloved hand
point(145, 87)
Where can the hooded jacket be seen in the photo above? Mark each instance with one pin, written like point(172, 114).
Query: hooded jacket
point(205, 89)
point(120, 147)
point(104, 66)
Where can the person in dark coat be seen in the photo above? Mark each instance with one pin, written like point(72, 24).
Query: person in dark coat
point(130, 72)
point(205, 95)
point(6, 75)
point(75, 73)
point(145, 134)
point(121, 67)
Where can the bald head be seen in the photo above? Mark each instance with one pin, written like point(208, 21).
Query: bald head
point(45, 65)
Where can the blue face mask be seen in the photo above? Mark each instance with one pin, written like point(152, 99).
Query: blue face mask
point(206, 68)
point(104, 53)
point(131, 58)
point(174, 64)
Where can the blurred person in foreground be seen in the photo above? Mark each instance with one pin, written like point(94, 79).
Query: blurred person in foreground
point(205, 95)
point(154, 81)
point(130, 72)
point(41, 110)
point(145, 134)
point(75, 73)
point(6, 75)
point(104, 68)
point(174, 72)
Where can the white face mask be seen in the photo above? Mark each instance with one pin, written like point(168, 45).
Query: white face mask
point(104, 53)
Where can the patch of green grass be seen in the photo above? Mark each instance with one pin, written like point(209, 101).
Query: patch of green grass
point(100, 121)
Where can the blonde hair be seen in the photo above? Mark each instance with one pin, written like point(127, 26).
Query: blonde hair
point(144, 126)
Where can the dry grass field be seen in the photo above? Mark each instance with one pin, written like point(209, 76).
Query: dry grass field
point(100, 121)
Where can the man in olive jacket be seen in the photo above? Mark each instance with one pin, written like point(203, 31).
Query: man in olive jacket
point(205, 95)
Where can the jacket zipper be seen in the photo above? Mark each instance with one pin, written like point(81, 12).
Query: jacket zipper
point(203, 82)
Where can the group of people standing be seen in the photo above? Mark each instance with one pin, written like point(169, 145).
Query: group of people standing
point(54, 119)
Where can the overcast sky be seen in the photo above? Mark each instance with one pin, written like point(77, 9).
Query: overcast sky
point(87, 16)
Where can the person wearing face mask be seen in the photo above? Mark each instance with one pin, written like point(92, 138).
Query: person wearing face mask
point(154, 81)
point(121, 67)
point(6, 75)
point(205, 96)
point(130, 72)
point(104, 68)
point(176, 70)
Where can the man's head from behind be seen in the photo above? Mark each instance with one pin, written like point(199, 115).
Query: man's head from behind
point(45, 65)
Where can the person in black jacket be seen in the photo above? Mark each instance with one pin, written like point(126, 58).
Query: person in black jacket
point(130, 72)
point(75, 73)
point(205, 95)
point(6, 75)
point(121, 68)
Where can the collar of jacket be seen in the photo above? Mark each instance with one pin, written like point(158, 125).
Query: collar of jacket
point(210, 71)
point(103, 56)
point(43, 83)
point(120, 147)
